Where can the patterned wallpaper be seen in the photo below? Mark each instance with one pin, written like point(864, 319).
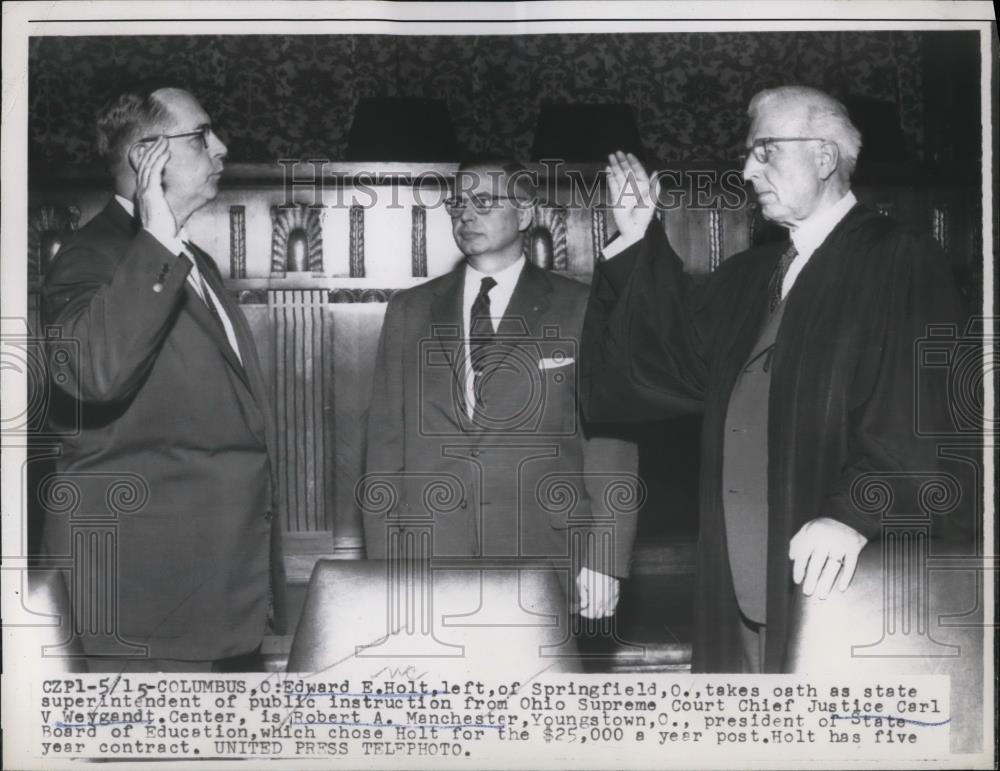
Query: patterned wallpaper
point(287, 96)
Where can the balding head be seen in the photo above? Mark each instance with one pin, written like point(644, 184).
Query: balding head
point(134, 113)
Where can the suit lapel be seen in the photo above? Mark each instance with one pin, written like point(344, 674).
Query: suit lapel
point(527, 305)
point(250, 375)
point(447, 324)
point(204, 318)
point(120, 218)
point(194, 304)
point(249, 372)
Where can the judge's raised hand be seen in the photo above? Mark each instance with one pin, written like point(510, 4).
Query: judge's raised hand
point(598, 593)
point(149, 160)
point(824, 551)
point(633, 195)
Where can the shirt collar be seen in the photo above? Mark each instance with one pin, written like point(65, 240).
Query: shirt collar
point(506, 278)
point(126, 204)
point(812, 232)
point(129, 207)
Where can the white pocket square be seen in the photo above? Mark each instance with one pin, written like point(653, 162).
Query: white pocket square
point(562, 361)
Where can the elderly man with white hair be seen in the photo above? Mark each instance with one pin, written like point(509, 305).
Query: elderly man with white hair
point(801, 356)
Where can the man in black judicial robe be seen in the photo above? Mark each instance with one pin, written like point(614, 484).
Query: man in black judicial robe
point(802, 356)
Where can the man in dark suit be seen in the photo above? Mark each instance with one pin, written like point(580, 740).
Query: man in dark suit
point(802, 356)
point(172, 403)
point(474, 423)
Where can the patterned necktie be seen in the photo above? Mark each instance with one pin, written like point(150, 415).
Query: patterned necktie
point(778, 278)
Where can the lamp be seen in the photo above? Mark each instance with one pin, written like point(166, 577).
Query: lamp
point(392, 128)
point(585, 132)
point(883, 156)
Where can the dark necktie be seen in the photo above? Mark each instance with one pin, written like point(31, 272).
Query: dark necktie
point(480, 331)
point(480, 323)
point(779, 275)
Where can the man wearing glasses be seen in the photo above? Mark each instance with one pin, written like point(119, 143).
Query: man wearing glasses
point(475, 391)
point(800, 355)
point(172, 403)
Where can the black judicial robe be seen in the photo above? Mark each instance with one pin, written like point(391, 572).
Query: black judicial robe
point(844, 390)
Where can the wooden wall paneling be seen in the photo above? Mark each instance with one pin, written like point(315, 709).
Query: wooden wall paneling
point(317, 331)
point(598, 234)
point(237, 242)
point(300, 390)
point(296, 240)
point(714, 234)
point(48, 226)
point(418, 241)
point(554, 220)
point(579, 246)
point(355, 329)
point(735, 225)
point(357, 242)
point(678, 227)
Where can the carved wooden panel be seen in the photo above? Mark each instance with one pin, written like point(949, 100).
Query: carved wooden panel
point(551, 220)
point(300, 393)
point(357, 245)
point(296, 240)
point(354, 334)
point(48, 226)
point(237, 242)
point(940, 220)
point(418, 241)
point(714, 239)
point(317, 331)
point(598, 231)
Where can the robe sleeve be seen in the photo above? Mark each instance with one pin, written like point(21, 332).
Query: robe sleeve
point(643, 339)
point(899, 407)
point(610, 468)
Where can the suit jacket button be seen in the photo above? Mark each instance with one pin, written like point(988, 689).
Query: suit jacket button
point(157, 287)
point(474, 453)
point(268, 515)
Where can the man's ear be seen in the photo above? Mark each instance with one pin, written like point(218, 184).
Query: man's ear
point(136, 153)
point(525, 215)
point(828, 157)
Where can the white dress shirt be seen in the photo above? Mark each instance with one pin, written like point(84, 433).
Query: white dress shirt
point(812, 232)
point(176, 246)
point(499, 300)
point(807, 237)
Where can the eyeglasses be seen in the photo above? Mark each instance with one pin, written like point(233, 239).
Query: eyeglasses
point(482, 203)
point(762, 148)
point(202, 131)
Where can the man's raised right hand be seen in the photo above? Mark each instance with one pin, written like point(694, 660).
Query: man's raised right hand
point(154, 211)
point(633, 195)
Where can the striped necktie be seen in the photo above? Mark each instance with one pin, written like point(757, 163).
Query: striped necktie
point(206, 295)
point(778, 278)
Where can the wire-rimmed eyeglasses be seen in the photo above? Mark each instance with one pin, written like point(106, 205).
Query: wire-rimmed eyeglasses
point(202, 131)
point(482, 203)
point(762, 148)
